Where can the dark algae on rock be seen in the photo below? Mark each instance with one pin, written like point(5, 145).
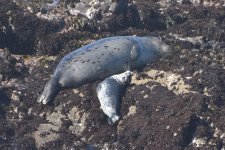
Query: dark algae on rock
point(175, 103)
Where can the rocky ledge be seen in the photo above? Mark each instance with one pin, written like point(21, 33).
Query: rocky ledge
point(175, 103)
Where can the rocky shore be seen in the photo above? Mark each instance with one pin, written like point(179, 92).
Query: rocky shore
point(175, 103)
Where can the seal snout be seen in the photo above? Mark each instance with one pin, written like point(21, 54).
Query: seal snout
point(127, 77)
point(123, 78)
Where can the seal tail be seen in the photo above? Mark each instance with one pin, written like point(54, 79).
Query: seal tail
point(50, 91)
point(113, 119)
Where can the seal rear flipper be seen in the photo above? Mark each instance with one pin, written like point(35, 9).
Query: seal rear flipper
point(113, 119)
point(50, 91)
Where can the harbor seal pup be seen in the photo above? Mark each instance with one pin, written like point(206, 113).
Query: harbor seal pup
point(101, 59)
point(110, 92)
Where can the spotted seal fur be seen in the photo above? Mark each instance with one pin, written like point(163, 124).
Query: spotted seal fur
point(110, 92)
point(101, 59)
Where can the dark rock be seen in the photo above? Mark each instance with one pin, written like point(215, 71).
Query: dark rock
point(43, 10)
point(109, 16)
point(4, 98)
point(19, 34)
point(7, 65)
point(118, 6)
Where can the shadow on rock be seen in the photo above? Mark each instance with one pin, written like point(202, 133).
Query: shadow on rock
point(5, 100)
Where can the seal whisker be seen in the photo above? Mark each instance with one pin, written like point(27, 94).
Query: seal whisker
point(124, 67)
point(128, 66)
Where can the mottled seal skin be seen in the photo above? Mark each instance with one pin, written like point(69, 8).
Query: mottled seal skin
point(101, 59)
point(110, 92)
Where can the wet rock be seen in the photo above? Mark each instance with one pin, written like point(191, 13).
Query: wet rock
point(150, 16)
point(206, 3)
point(5, 100)
point(68, 40)
point(175, 103)
point(199, 142)
point(48, 132)
point(173, 82)
point(49, 6)
point(149, 108)
point(44, 134)
point(105, 15)
point(7, 65)
point(89, 9)
point(118, 6)
point(78, 121)
point(17, 31)
point(32, 62)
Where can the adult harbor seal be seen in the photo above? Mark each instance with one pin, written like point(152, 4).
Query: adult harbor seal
point(110, 92)
point(101, 59)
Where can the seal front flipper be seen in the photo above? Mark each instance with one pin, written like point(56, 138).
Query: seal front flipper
point(50, 91)
point(134, 53)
